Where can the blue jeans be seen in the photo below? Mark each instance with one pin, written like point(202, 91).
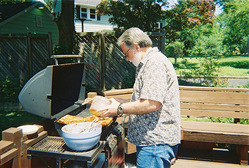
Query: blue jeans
point(155, 156)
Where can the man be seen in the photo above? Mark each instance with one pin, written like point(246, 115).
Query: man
point(154, 109)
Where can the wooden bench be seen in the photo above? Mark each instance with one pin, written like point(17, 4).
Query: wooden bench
point(207, 102)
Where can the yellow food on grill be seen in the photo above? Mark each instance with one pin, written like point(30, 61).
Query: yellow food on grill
point(69, 119)
point(93, 112)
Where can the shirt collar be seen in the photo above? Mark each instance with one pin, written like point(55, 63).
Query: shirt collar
point(148, 53)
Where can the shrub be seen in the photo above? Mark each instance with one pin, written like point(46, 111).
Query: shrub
point(9, 88)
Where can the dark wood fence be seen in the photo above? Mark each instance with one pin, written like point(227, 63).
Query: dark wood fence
point(23, 55)
point(106, 67)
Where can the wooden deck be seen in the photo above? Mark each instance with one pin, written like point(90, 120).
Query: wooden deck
point(204, 164)
point(217, 158)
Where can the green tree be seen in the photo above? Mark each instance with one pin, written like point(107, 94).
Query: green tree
point(5, 2)
point(133, 13)
point(175, 50)
point(209, 41)
point(209, 47)
point(235, 22)
point(184, 18)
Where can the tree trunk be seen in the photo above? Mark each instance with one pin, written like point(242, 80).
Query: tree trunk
point(65, 24)
point(247, 47)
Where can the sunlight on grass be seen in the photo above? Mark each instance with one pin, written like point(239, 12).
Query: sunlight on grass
point(230, 71)
point(201, 119)
point(15, 119)
point(229, 66)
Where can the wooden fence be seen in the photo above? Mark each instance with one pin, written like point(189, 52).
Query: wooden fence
point(23, 55)
point(106, 66)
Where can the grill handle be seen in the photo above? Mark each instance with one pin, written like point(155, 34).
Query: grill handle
point(56, 57)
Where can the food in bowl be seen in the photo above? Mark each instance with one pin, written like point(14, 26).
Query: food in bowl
point(81, 136)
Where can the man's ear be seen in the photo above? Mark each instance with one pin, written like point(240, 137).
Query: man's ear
point(136, 47)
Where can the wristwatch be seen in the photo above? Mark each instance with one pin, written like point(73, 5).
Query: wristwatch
point(120, 110)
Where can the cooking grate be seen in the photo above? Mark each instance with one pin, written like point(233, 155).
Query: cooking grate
point(50, 144)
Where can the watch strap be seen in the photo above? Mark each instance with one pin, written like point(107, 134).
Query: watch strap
point(120, 110)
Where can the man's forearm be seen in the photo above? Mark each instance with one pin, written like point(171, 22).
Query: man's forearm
point(141, 107)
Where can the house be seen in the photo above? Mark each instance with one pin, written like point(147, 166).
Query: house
point(27, 17)
point(87, 19)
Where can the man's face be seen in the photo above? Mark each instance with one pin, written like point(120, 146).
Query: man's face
point(126, 51)
point(131, 55)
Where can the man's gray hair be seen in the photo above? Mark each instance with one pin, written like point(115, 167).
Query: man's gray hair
point(135, 36)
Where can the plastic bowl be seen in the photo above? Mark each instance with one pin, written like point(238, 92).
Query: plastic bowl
point(77, 140)
point(98, 103)
point(28, 129)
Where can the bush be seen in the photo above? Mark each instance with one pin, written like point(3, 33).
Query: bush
point(9, 88)
point(204, 73)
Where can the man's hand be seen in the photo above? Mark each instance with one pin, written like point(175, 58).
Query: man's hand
point(111, 110)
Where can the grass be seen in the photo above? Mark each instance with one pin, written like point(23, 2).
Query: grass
point(229, 65)
point(202, 119)
point(11, 115)
point(15, 119)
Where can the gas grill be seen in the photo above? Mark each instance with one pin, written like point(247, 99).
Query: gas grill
point(56, 91)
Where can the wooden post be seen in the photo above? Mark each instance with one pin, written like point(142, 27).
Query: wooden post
point(14, 135)
point(102, 61)
point(50, 47)
point(8, 153)
point(242, 151)
point(91, 94)
point(22, 143)
point(29, 56)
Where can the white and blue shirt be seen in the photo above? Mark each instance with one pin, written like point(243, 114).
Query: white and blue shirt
point(156, 80)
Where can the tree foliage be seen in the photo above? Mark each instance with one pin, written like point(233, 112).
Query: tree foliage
point(133, 13)
point(209, 41)
point(235, 22)
point(5, 2)
point(185, 17)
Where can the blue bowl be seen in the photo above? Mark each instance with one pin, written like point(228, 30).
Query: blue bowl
point(78, 139)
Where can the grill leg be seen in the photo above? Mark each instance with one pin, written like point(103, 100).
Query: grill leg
point(58, 163)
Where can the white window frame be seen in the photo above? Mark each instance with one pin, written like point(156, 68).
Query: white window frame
point(88, 13)
point(83, 13)
point(93, 14)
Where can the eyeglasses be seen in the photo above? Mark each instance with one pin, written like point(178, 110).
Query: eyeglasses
point(126, 52)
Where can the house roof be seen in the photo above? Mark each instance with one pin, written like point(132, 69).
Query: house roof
point(87, 2)
point(10, 10)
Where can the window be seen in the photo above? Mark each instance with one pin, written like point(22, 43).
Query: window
point(98, 17)
point(92, 14)
point(158, 25)
point(87, 13)
point(83, 13)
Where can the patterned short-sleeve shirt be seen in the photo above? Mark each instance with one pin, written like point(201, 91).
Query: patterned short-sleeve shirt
point(156, 80)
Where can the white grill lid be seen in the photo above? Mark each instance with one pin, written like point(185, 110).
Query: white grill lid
point(54, 91)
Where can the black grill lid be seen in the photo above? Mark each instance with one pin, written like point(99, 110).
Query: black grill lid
point(54, 91)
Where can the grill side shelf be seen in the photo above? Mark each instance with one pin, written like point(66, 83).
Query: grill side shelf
point(55, 147)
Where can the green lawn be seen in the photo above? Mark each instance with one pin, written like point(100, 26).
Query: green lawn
point(15, 119)
point(229, 66)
